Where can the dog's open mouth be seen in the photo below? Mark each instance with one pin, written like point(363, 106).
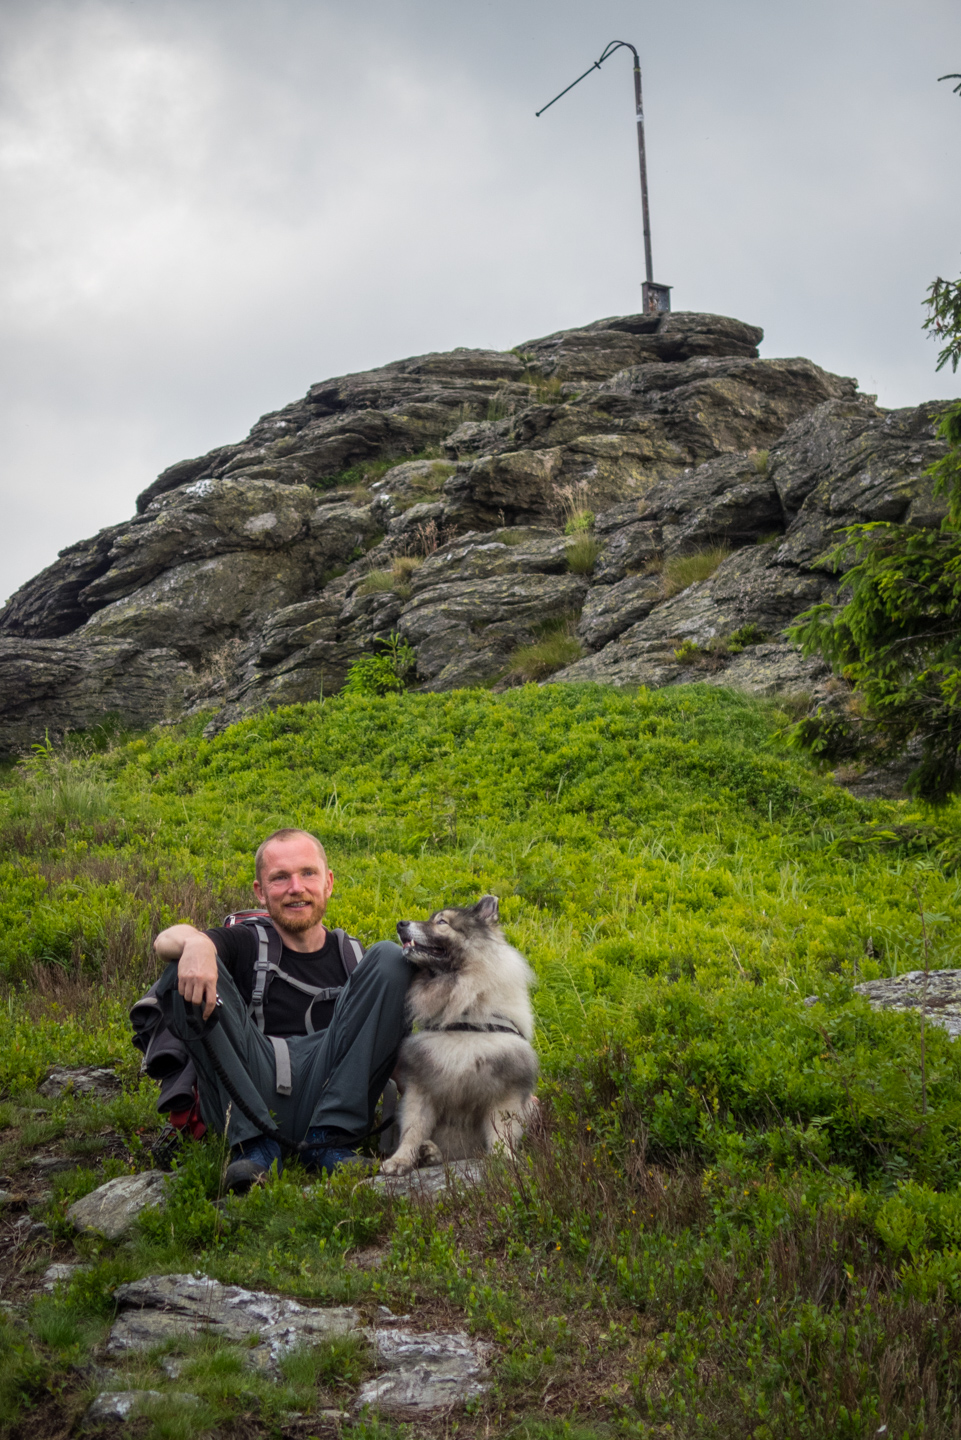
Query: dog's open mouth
point(433, 952)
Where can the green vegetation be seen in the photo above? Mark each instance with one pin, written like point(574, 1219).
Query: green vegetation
point(500, 406)
point(388, 669)
point(760, 459)
point(582, 553)
point(723, 647)
point(680, 571)
point(396, 580)
point(432, 483)
point(548, 390)
point(742, 1216)
point(943, 320)
point(362, 475)
point(580, 521)
point(897, 639)
point(557, 646)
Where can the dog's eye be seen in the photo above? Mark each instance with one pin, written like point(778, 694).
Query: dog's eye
point(440, 920)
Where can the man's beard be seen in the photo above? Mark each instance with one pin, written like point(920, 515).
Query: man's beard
point(297, 921)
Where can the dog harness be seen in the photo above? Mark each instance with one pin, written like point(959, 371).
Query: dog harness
point(466, 1025)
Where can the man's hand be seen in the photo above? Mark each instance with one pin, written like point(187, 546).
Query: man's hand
point(197, 968)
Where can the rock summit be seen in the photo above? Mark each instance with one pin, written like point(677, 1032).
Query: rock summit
point(636, 484)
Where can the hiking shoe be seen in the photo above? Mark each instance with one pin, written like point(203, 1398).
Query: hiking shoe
point(325, 1149)
point(251, 1161)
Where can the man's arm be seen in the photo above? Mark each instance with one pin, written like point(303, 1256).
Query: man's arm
point(197, 967)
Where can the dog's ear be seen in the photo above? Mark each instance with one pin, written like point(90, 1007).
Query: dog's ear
point(486, 909)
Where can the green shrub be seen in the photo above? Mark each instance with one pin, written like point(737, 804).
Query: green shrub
point(387, 670)
point(579, 521)
point(433, 483)
point(749, 634)
point(367, 471)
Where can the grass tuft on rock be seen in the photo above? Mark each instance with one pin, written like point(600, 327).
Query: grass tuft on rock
point(680, 571)
point(396, 580)
point(557, 647)
point(582, 553)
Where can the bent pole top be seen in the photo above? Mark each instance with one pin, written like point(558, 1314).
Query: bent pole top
point(639, 109)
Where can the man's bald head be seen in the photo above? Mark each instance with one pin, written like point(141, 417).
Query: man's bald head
point(288, 833)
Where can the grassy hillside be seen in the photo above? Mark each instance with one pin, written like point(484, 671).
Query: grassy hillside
point(745, 1217)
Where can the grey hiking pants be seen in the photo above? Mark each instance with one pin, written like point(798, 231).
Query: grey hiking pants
point(336, 1075)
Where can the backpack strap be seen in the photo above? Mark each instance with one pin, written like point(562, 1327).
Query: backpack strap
point(351, 951)
point(281, 1064)
point(262, 968)
point(265, 967)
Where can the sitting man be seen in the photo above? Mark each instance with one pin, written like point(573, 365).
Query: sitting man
point(309, 1071)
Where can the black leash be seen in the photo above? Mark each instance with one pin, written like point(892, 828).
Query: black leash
point(269, 1132)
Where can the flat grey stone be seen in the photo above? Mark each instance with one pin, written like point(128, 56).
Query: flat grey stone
point(120, 1404)
point(906, 992)
point(99, 1375)
point(431, 1180)
point(55, 1275)
point(162, 1306)
point(112, 1209)
point(426, 1372)
point(52, 1164)
point(27, 1230)
point(95, 1080)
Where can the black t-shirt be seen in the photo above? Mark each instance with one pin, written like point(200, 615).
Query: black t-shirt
point(285, 1008)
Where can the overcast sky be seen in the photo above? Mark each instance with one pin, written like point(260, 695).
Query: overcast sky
point(210, 204)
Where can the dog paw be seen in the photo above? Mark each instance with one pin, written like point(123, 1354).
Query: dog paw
point(428, 1154)
point(396, 1165)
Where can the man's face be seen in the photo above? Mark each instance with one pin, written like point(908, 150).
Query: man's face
point(294, 884)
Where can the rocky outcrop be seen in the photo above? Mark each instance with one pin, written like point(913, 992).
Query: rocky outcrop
point(76, 683)
point(937, 994)
point(431, 498)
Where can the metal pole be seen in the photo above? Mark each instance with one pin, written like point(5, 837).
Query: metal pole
point(642, 157)
point(655, 298)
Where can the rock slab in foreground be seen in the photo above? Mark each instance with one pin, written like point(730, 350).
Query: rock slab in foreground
point(426, 1372)
point(95, 1080)
point(120, 1404)
point(112, 1210)
point(906, 992)
point(432, 1180)
point(162, 1306)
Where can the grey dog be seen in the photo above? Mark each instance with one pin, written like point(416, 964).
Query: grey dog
point(468, 1071)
